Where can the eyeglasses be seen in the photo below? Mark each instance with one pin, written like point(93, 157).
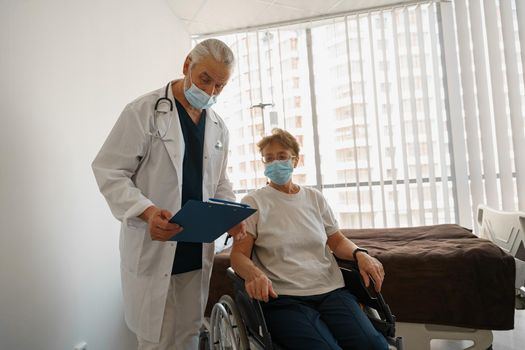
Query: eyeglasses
point(271, 158)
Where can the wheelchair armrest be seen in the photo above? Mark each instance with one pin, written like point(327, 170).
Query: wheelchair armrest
point(368, 296)
point(350, 266)
point(350, 271)
point(233, 275)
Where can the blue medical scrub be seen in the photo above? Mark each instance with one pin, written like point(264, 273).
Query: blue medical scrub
point(188, 256)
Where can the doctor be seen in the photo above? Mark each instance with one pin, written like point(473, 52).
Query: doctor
point(167, 147)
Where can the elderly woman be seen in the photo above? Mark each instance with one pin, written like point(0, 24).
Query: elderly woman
point(291, 239)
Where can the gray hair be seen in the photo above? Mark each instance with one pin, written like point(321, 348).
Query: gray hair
point(212, 48)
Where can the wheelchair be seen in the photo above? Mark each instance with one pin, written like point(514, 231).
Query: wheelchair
point(238, 323)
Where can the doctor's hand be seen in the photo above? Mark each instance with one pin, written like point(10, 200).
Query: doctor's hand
point(160, 229)
point(260, 288)
point(370, 267)
point(238, 231)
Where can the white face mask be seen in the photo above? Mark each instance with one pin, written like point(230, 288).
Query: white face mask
point(198, 98)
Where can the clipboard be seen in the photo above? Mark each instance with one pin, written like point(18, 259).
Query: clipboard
point(206, 221)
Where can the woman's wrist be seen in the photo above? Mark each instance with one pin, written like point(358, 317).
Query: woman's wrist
point(358, 250)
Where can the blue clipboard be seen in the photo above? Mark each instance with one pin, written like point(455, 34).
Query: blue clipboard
point(206, 221)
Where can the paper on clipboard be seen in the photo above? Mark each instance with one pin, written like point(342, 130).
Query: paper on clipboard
point(206, 221)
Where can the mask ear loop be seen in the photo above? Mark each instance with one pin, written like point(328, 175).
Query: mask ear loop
point(264, 164)
point(295, 164)
point(189, 77)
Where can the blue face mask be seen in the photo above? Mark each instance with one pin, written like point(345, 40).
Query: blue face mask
point(279, 171)
point(198, 98)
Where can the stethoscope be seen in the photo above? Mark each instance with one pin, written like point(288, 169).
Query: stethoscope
point(164, 105)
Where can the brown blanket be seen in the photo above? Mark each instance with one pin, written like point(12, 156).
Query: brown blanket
point(441, 274)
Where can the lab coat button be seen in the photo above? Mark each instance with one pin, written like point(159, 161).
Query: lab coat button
point(165, 275)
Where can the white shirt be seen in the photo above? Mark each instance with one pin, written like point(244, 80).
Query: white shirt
point(290, 232)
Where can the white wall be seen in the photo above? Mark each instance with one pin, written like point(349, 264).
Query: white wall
point(67, 68)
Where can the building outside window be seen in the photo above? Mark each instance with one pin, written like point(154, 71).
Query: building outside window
point(365, 95)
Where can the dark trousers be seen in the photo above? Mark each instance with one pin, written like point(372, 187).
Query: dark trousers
point(329, 321)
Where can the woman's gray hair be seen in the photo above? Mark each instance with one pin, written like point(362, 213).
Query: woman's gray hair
point(212, 48)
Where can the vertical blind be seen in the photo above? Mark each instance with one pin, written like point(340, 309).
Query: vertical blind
point(396, 172)
point(408, 115)
point(484, 63)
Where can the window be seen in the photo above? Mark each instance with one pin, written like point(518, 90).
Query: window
point(240, 150)
point(359, 116)
point(294, 63)
point(297, 102)
point(293, 44)
point(295, 82)
point(343, 113)
point(380, 140)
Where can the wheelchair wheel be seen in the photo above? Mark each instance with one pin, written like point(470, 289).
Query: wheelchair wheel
point(227, 331)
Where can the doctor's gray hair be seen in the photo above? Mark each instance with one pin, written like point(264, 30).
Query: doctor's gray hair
point(214, 48)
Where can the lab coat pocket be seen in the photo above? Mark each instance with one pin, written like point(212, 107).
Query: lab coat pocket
point(217, 159)
point(214, 170)
point(131, 242)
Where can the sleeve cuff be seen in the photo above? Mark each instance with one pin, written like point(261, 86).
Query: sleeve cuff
point(137, 209)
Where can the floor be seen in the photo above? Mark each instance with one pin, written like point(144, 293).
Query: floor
point(503, 340)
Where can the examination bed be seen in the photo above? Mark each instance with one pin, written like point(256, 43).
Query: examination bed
point(442, 282)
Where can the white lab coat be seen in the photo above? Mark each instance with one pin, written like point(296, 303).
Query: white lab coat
point(130, 187)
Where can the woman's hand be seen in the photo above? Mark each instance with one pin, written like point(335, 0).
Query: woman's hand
point(260, 288)
point(370, 267)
